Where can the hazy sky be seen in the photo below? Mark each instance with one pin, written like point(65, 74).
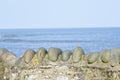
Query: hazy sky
point(59, 13)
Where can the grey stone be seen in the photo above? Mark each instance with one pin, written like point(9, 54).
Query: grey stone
point(66, 55)
point(28, 55)
point(10, 59)
point(2, 51)
point(115, 56)
point(106, 56)
point(20, 62)
point(53, 54)
point(41, 54)
point(92, 57)
point(77, 54)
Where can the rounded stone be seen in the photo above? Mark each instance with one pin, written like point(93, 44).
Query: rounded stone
point(35, 60)
point(28, 55)
point(41, 54)
point(20, 62)
point(53, 54)
point(115, 56)
point(105, 56)
point(77, 54)
point(10, 59)
point(92, 57)
point(66, 55)
point(3, 56)
point(2, 51)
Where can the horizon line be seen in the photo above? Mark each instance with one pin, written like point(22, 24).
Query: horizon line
point(58, 27)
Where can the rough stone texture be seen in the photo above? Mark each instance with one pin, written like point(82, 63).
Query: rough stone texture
point(28, 55)
point(77, 54)
point(105, 56)
point(63, 71)
point(1, 71)
point(41, 54)
point(92, 57)
point(101, 67)
point(66, 55)
point(2, 51)
point(53, 54)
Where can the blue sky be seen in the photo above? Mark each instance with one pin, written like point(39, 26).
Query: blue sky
point(59, 13)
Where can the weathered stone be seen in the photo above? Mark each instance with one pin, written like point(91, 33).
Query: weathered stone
point(53, 54)
point(63, 70)
point(66, 55)
point(115, 56)
point(28, 55)
point(2, 69)
point(77, 54)
point(20, 62)
point(35, 60)
point(3, 56)
point(10, 59)
point(92, 57)
point(41, 54)
point(105, 56)
point(2, 51)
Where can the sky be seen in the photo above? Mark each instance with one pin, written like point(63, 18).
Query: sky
point(59, 13)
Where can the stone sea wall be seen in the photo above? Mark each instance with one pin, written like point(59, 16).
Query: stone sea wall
point(55, 64)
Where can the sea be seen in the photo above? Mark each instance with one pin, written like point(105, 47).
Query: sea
point(90, 39)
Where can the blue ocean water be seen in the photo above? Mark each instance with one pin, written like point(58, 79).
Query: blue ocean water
point(90, 39)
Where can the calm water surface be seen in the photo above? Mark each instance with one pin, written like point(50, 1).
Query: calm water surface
point(90, 39)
